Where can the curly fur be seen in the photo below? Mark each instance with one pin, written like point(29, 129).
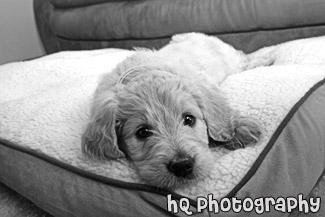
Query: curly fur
point(157, 89)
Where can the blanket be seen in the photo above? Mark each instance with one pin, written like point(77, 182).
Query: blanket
point(45, 105)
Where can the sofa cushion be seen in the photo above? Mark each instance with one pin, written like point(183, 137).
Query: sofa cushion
point(78, 3)
point(154, 19)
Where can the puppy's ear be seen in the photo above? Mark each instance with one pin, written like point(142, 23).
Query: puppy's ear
point(100, 139)
point(216, 111)
point(224, 124)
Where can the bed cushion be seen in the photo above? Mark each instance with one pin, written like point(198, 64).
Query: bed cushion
point(44, 107)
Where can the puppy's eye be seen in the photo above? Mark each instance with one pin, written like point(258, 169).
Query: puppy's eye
point(143, 132)
point(189, 120)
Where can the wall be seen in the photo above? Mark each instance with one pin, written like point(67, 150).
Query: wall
point(19, 38)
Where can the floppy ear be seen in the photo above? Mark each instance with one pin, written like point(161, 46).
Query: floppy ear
point(224, 124)
point(100, 139)
point(216, 111)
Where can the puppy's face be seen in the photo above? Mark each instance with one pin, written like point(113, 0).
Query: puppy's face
point(163, 125)
point(162, 130)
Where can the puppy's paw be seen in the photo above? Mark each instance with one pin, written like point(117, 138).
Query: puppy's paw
point(260, 61)
point(246, 133)
point(263, 57)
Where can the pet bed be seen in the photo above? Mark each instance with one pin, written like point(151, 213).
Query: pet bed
point(44, 107)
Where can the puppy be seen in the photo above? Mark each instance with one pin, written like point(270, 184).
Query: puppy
point(163, 110)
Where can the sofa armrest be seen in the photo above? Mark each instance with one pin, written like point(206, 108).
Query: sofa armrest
point(42, 11)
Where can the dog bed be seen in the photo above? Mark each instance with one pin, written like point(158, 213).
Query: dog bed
point(44, 107)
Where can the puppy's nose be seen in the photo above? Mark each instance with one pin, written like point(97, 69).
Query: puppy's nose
point(181, 167)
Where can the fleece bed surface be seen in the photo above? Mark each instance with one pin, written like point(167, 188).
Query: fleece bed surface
point(44, 107)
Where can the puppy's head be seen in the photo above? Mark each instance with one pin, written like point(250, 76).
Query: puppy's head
point(162, 124)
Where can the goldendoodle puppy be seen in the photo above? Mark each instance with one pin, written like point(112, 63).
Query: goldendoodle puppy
point(163, 109)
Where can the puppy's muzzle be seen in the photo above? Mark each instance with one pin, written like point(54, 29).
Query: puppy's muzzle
point(182, 167)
